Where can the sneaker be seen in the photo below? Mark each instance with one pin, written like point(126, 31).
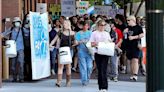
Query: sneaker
point(83, 84)
point(131, 77)
point(52, 72)
point(103, 90)
point(14, 80)
point(135, 78)
point(74, 69)
point(115, 79)
point(123, 71)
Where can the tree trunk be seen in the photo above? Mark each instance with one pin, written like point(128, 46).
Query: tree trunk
point(131, 7)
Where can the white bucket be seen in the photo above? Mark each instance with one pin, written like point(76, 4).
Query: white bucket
point(65, 55)
point(106, 48)
point(11, 48)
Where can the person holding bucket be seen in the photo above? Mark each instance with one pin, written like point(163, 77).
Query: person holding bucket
point(100, 35)
point(66, 37)
point(84, 57)
point(15, 34)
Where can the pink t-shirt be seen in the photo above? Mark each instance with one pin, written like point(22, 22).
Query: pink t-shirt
point(98, 36)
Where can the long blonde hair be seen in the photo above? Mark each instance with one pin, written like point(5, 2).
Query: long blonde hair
point(68, 23)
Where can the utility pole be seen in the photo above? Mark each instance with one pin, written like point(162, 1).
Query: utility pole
point(155, 45)
point(0, 44)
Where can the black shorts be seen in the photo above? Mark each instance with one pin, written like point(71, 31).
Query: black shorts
point(132, 54)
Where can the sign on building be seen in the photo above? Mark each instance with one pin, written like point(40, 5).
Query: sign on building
point(82, 7)
point(68, 8)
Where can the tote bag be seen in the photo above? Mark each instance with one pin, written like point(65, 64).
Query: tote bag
point(65, 55)
point(106, 48)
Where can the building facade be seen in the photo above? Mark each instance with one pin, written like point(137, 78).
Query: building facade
point(16, 8)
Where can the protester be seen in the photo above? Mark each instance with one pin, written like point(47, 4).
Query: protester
point(84, 57)
point(134, 34)
point(121, 24)
point(53, 52)
point(27, 49)
point(66, 37)
point(117, 37)
point(15, 33)
point(100, 35)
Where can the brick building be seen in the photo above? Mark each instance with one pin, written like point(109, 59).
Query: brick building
point(14, 8)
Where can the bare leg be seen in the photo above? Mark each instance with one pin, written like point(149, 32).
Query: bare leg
point(68, 75)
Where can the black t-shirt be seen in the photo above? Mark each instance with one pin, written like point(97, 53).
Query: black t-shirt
point(133, 31)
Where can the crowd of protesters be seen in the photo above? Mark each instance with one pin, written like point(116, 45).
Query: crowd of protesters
point(75, 32)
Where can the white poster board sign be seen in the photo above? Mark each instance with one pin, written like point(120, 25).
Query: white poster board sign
point(113, 12)
point(68, 8)
point(102, 10)
point(41, 7)
point(39, 45)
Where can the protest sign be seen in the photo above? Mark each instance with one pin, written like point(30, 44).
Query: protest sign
point(39, 45)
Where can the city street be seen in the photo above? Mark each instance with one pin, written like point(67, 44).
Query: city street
point(48, 85)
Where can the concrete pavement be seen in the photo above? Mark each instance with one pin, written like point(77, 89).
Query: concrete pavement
point(48, 85)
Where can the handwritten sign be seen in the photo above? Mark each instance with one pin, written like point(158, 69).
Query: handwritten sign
point(82, 7)
point(39, 45)
point(113, 12)
point(54, 8)
point(68, 8)
point(102, 10)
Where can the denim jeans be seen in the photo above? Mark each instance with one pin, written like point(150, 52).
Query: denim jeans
point(14, 61)
point(53, 59)
point(114, 65)
point(85, 65)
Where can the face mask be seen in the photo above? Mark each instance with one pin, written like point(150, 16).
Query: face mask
point(27, 26)
point(17, 24)
point(28, 18)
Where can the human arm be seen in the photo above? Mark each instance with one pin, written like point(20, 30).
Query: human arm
point(139, 34)
point(6, 33)
point(54, 41)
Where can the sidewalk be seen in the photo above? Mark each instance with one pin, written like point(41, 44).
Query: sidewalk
point(48, 85)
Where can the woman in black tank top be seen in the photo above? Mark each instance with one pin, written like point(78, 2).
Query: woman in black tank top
point(66, 39)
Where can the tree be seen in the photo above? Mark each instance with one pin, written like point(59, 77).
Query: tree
point(142, 1)
point(123, 4)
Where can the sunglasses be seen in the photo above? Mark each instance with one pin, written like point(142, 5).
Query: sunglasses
point(103, 25)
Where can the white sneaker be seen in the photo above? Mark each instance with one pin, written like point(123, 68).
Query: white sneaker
point(135, 78)
point(53, 72)
point(131, 77)
point(74, 69)
point(115, 79)
point(103, 90)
